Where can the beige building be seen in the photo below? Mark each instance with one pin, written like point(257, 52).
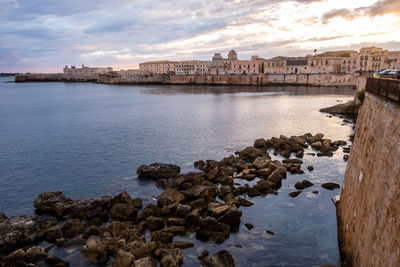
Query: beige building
point(275, 65)
point(373, 59)
point(191, 67)
point(85, 71)
point(131, 73)
point(324, 64)
point(393, 60)
point(253, 66)
point(158, 67)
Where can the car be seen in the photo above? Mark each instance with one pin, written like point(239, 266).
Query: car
point(394, 72)
point(384, 72)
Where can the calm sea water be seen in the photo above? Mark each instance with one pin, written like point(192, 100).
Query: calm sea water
point(88, 139)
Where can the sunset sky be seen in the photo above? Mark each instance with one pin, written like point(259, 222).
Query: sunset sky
point(45, 35)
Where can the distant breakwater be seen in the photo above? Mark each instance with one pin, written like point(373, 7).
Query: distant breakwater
point(324, 79)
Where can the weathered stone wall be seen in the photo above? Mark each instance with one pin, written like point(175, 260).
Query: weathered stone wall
point(369, 209)
point(39, 77)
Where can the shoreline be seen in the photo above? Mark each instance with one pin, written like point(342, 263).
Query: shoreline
point(189, 203)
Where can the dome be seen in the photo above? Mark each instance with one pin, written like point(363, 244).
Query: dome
point(232, 55)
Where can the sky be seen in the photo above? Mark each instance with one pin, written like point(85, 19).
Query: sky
point(46, 35)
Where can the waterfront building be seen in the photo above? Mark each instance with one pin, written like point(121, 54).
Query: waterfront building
point(191, 67)
point(158, 67)
point(218, 65)
point(373, 59)
point(131, 73)
point(275, 65)
point(393, 60)
point(253, 66)
point(85, 71)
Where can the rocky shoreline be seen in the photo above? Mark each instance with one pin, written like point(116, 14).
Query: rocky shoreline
point(119, 231)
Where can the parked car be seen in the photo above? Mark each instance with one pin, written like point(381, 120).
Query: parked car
point(394, 72)
point(384, 72)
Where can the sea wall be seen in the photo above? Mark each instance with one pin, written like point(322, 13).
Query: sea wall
point(369, 207)
point(344, 79)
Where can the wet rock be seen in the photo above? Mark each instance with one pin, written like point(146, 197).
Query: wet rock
point(72, 228)
point(145, 262)
point(349, 107)
point(20, 231)
point(3, 217)
point(176, 222)
point(35, 254)
point(124, 259)
point(303, 184)
point(60, 241)
point(211, 229)
point(270, 232)
point(154, 223)
point(299, 185)
point(260, 143)
point(182, 210)
point(285, 153)
point(231, 218)
point(330, 186)
point(220, 259)
point(300, 153)
point(17, 258)
point(169, 197)
point(171, 257)
point(325, 154)
point(316, 145)
point(54, 261)
point(125, 198)
point(123, 212)
point(261, 163)
point(140, 249)
point(249, 154)
point(162, 236)
point(345, 157)
point(294, 194)
point(113, 244)
point(200, 164)
point(53, 233)
point(53, 203)
point(92, 230)
point(244, 202)
point(307, 183)
point(253, 192)
point(276, 176)
point(203, 255)
point(346, 149)
point(249, 226)
point(158, 170)
point(149, 210)
point(315, 192)
point(311, 154)
point(218, 210)
point(310, 168)
point(292, 161)
point(264, 172)
point(193, 217)
point(206, 192)
point(94, 250)
point(183, 244)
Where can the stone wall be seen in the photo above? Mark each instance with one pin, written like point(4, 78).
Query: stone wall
point(369, 209)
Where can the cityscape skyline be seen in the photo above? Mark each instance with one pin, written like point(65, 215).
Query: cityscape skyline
point(41, 36)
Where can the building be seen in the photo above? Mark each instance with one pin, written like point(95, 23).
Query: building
point(275, 65)
point(393, 60)
point(324, 64)
point(253, 66)
point(191, 67)
point(373, 59)
point(218, 65)
point(131, 73)
point(85, 71)
point(158, 67)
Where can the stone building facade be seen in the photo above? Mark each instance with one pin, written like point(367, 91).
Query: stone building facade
point(253, 66)
point(191, 67)
point(158, 67)
point(373, 59)
point(85, 72)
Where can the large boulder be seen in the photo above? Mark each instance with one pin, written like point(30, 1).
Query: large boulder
point(211, 229)
point(54, 203)
point(94, 250)
point(36, 253)
point(220, 259)
point(124, 259)
point(171, 257)
point(20, 231)
point(169, 197)
point(158, 170)
point(123, 212)
point(72, 228)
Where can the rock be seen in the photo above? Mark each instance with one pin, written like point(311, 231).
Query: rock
point(307, 183)
point(125, 198)
point(299, 185)
point(218, 211)
point(330, 186)
point(260, 143)
point(325, 148)
point(249, 226)
point(94, 250)
point(53, 203)
point(91, 231)
point(140, 249)
point(20, 231)
point(176, 222)
point(244, 202)
point(123, 212)
point(211, 229)
point(285, 153)
point(124, 259)
point(310, 168)
point(183, 244)
point(270, 232)
point(3, 217)
point(249, 154)
point(316, 145)
point(326, 154)
point(276, 176)
point(349, 107)
point(300, 153)
point(17, 258)
point(345, 157)
point(315, 192)
point(154, 223)
point(199, 164)
point(72, 228)
point(182, 210)
point(60, 241)
point(145, 262)
point(149, 210)
point(294, 194)
point(172, 257)
point(311, 154)
point(220, 259)
point(292, 161)
point(253, 192)
point(35, 254)
point(264, 172)
point(261, 163)
point(53, 233)
point(231, 218)
point(162, 236)
point(169, 197)
point(158, 170)
point(114, 244)
point(203, 254)
point(54, 261)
